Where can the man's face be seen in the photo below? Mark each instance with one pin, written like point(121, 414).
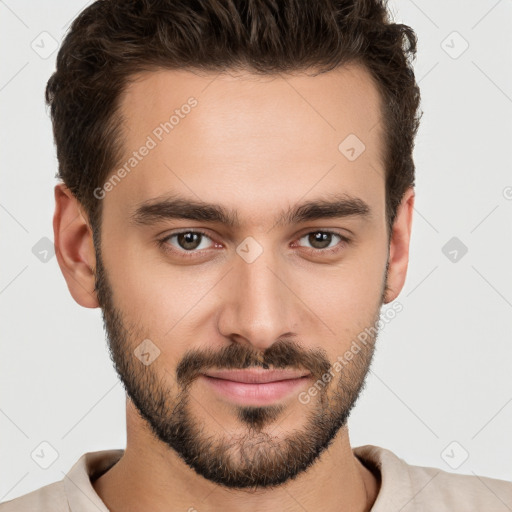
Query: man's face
point(264, 291)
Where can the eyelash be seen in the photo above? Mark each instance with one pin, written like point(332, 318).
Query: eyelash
point(162, 242)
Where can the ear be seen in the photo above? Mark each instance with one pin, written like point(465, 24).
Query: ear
point(74, 247)
point(399, 246)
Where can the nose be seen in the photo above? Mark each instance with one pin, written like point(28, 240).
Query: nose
point(259, 306)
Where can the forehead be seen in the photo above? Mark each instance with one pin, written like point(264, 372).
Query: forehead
point(236, 137)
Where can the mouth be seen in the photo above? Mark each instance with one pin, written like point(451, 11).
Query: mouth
point(255, 386)
point(256, 375)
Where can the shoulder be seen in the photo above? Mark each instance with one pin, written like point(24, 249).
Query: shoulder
point(414, 488)
point(51, 497)
point(74, 492)
point(460, 492)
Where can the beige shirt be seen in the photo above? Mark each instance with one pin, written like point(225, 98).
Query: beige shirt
point(404, 488)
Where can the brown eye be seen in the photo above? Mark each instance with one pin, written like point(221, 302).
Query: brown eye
point(187, 241)
point(320, 240)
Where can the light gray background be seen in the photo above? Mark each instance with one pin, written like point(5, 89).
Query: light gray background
point(442, 371)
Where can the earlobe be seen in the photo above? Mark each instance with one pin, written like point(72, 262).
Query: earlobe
point(399, 246)
point(74, 247)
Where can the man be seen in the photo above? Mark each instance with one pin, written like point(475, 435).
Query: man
point(237, 195)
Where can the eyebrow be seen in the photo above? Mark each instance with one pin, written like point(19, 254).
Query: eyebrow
point(162, 208)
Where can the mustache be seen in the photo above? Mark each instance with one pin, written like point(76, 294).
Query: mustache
point(283, 354)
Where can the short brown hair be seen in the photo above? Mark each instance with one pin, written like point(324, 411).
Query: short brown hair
point(112, 40)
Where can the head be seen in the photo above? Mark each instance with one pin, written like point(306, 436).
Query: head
point(237, 189)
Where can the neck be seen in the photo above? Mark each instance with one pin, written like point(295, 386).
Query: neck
point(151, 476)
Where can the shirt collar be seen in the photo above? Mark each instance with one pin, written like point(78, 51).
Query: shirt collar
point(77, 482)
point(396, 489)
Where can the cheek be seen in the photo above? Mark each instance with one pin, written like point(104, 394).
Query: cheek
point(347, 296)
point(151, 292)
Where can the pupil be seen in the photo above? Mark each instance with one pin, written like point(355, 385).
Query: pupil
point(189, 240)
point(320, 240)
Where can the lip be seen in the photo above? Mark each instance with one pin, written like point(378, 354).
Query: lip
point(255, 386)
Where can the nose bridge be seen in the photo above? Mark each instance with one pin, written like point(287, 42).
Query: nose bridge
point(259, 306)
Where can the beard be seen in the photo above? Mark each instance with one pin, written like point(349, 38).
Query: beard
point(255, 458)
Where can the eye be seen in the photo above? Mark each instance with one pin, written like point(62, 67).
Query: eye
point(191, 243)
point(186, 242)
point(324, 241)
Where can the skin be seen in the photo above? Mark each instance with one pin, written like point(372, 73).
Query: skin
point(256, 145)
